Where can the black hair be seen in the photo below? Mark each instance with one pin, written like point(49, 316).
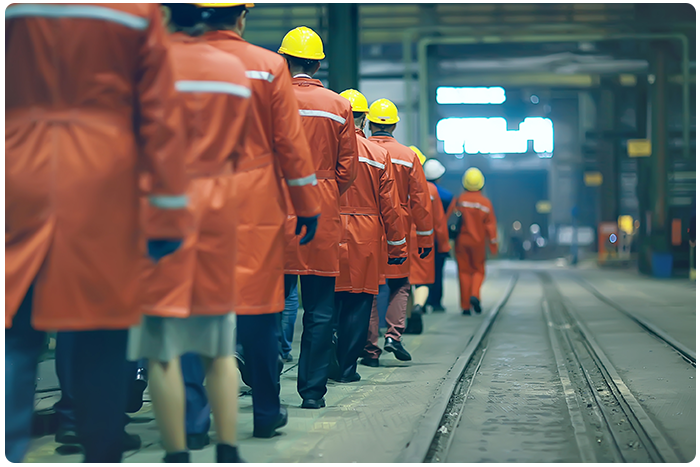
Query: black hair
point(381, 126)
point(220, 18)
point(358, 114)
point(183, 15)
point(308, 66)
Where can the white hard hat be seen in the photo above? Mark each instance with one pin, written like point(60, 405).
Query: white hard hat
point(433, 169)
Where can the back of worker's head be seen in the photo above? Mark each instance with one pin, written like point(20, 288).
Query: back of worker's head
point(303, 50)
point(383, 116)
point(183, 17)
point(433, 169)
point(224, 16)
point(358, 102)
point(473, 179)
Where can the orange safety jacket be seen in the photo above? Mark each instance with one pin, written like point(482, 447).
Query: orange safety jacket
point(92, 104)
point(478, 220)
point(423, 270)
point(369, 215)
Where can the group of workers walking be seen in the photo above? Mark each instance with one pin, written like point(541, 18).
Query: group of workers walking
point(168, 184)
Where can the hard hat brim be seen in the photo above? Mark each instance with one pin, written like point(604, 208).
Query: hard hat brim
point(387, 121)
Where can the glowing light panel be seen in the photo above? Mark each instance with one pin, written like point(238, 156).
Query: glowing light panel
point(447, 95)
point(477, 135)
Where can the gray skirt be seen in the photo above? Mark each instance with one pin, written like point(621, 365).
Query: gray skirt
point(164, 339)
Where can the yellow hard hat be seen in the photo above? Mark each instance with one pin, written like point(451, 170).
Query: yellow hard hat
point(357, 100)
point(302, 42)
point(473, 179)
point(384, 112)
point(223, 5)
point(421, 156)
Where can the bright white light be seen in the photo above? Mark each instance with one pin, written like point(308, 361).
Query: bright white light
point(535, 229)
point(541, 242)
point(447, 95)
point(475, 135)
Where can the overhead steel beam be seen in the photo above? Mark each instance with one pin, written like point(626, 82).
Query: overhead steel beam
point(343, 46)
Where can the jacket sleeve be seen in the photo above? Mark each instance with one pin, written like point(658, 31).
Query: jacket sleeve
point(291, 147)
point(389, 208)
point(440, 224)
point(346, 168)
point(420, 204)
point(491, 229)
point(159, 122)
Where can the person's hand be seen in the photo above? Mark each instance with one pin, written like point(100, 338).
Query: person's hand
point(424, 252)
point(396, 260)
point(311, 224)
point(159, 248)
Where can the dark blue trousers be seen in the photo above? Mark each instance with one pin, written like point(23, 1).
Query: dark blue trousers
point(99, 377)
point(197, 409)
point(258, 339)
point(435, 289)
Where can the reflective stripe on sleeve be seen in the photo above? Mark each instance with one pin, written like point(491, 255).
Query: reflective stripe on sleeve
point(400, 162)
point(423, 233)
point(400, 242)
point(379, 165)
point(221, 87)
point(261, 75)
point(310, 180)
point(76, 11)
point(168, 202)
point(468, 204)
point(321, 113)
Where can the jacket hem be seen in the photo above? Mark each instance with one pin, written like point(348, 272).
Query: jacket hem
point(311, 272)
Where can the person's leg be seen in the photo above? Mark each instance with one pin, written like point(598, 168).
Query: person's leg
point(465, 276)
point(99, 374)
point(372, 350)
point(314, 358)
point(396, 313)
point(478, 261)
point(353, 324)
point(259, 337)
point(23, 346)
point(64, 408)
point(435, 295)
point(168, 398)
point(420, 295)
point(382, 303)
point(197, 409)
point(222, 387)
point(289, 318)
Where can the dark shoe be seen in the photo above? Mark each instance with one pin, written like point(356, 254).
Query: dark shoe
point(64, 436)
point(414, 324)
point(475, 304)
point(132, 442)
point(354, 378)
point(177, 458)
point(245, 374)
point(390, 345)
point(369, 361)
point(270, 430)
point(313, 403)
point(227, 454)
point(466, 312)
point(288, 358)
point(198, 441)
point(418, 310)
point(438, 308)
point(135, 397)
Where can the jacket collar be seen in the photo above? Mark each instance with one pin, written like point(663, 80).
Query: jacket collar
point(358, 131)
point(384, 134)
point(221, 35)
point(304, 80)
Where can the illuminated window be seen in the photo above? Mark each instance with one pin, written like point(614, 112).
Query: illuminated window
point(475, 135)
point(446, 95)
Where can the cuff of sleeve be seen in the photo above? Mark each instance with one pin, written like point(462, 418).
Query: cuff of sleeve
point(306, 200)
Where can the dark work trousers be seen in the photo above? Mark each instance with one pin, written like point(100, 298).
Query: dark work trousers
point(353, 311)
point(65, 407)
point(99, 375)
point(258, 337)
point(435, 289)
point(197, 409)
point(383, 304)
point(318, 299)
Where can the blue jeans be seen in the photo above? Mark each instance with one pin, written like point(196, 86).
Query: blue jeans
point(197, 409)
point(383, 304)
point(289, 319)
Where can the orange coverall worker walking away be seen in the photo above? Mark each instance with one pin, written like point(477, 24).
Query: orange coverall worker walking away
point(276, 158)
point(423, 272)
point(478, 226)
point(189, 298)
point(369, 210)
point(415, 209)
point(328, 124)
point(92, 104)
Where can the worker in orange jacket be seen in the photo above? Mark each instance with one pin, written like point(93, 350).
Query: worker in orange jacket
point(328, 124)
point(415, 210)
point(79, 129)
point(188, 299)
point(369, 213)
point(423, 272)
point(478, 226)
point(276, 158)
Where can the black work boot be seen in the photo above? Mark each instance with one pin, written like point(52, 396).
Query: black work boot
point(225, 453)
point(475, 304)
point(182, 457)
point(391, 345)
point(414, 324)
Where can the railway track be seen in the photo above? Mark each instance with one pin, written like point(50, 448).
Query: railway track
point(608, 422)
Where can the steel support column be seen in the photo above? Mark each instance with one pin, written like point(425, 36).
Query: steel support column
point(342, 47)
point(606, 154)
